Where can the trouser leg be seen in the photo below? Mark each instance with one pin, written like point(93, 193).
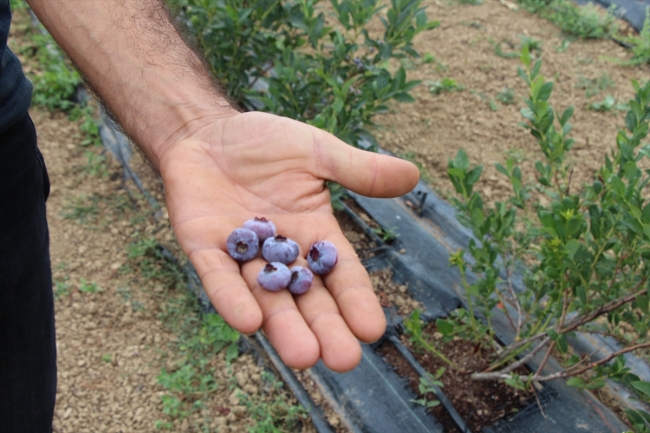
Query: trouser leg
point(27, 337)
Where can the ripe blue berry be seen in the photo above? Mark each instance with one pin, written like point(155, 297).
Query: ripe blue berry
point(280, 249)
point(263, 227)
point(243, 244)
point(274, 276)
point(322, 257)
point(301, 279)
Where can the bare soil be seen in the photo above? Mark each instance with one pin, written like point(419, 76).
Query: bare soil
point(435, 127)
point(479, 403)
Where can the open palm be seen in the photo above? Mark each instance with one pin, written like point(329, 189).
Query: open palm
point(257, 164)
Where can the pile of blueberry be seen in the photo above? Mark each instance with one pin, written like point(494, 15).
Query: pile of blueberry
point(244, 244)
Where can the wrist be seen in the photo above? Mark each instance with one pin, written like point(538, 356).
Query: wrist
point(183, 121)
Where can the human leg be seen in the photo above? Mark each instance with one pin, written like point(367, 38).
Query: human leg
point(27, 337)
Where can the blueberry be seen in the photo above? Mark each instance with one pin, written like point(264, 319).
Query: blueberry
point(263, 227)
point(274, 276)
point(322, 257)
point(243, 244)
point(301, 279)
point(280, 249)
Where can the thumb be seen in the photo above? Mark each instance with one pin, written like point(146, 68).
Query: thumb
point(366, 173)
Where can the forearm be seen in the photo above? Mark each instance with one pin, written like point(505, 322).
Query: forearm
point(137, 62)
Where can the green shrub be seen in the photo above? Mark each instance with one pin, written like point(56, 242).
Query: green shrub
point(587, 252)
point(282, 57)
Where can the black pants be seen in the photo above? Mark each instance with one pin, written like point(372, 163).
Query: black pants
point(27, 338)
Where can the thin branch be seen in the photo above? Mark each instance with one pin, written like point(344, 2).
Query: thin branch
point(513, 366)
point(503, 374)
point(545, 360)
point(516, 301)
point(610, 306)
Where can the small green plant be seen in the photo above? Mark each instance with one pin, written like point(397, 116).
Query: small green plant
point(427, 386)
point(387, 235)
point(445, 85)
point(87, 287)
point(149, 258)
point(563, 46)
point(108, 358)
point(200, 338)
point(81, 208)
point(587, 251)
point(96, 164)
point(640, 45)
point(641, 48)
point(587, 22)
point(274, 413)
point(428, 58)
point(507, 96)
point(62, 288)
point(607, 104)
point(593, 86)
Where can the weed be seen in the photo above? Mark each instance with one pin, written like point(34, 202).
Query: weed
point(81, 208)
point(498, 50)
point(534, 46)
point(96, 164)
point(428, 58)
point(61, 288)
point(608, 104)
point(562, 47)
point(387, 235)
point(445, 85)
point(153, 263)
point(88, 287)
point(587, 22)
point(274, 413)
point(88, 124)
point(199, 338)
point(107, 358)
point(507, 96)
point(640, 45)
point(516, 154)
point(593, 86)
point(426, 386)
point(641, 49)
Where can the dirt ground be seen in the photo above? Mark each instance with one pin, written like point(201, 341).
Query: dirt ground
point(435, 127)
point(112, 341)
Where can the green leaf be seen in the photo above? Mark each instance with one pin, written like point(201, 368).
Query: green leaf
point(572, 247)
point(501, 169)
point(643, 387)
point(403, 97)
point(445, 327)
point(617, 185)
point(545, 91)
point(566, 115)
point(576, 382)
point(461, 161)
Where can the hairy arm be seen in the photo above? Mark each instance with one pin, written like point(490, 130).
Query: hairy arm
point(137, 62)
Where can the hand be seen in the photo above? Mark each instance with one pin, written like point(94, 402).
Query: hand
point(257, 164)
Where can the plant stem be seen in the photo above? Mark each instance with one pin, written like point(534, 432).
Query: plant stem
point(421, 341)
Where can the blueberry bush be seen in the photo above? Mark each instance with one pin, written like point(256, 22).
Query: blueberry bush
point(580, 263)
point(302, 60)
